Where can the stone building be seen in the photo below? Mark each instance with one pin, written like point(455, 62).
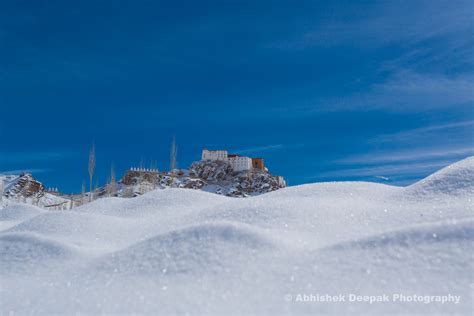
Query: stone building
point(238, 162)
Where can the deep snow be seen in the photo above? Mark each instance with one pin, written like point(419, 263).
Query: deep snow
point(179, 251)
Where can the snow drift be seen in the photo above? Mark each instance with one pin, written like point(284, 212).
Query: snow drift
point(453, 180)
point(180, 251)
point(23, 252)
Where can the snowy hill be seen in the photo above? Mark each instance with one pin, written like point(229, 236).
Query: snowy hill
point(26, 189)
point(454, 180)
point(209, 176)
point(191, 252)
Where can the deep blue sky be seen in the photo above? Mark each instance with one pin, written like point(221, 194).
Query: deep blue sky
point(334, 90)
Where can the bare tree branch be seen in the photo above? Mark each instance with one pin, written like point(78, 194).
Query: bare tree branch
point(91, 169)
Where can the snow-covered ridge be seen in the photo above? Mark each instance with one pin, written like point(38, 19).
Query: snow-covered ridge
point(214, 176)
point(25, 188)
point(211, 176)
point(454, 180)
point(180, 251)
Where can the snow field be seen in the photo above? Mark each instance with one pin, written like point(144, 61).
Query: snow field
point(180, 251)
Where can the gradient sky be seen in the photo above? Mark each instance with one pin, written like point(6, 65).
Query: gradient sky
point(335, 90)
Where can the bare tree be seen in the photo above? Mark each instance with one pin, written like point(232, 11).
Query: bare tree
point(91, 169)
point(173, 154)
point(173, 157)
point(140, 177)
point(112, 187)
point(83, 191)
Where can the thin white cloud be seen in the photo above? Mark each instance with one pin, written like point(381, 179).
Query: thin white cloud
point(259, 149)
point(29, 157)
point(19, 171)
point(421, 132)
point(408, 91)
point(421, 154)
point(388, 170)
point(403, 91)
point(405, 88)
point(384, 23)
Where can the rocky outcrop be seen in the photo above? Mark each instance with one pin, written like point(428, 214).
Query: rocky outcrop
point(133, 177)
point(211, 170)
point(210, 176)
point(22, 187)
point(256, 182)
point(25, 188)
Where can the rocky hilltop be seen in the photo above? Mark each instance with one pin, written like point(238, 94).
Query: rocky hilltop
point(25, 188)
point(210, 176)
point(218, 176)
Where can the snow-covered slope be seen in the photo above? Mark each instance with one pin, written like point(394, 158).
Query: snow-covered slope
point(209, 176)
point(25, 188)
point(453, 180)
point(190, 252)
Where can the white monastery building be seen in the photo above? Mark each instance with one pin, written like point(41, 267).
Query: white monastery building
point(214, 154)
point(238, 163)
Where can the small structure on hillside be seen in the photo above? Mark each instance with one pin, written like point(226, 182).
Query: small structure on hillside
point(238, 162)
point(139, 175)
point(53, 191)
point(257, 163)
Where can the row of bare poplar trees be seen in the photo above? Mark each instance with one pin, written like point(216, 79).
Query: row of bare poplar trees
point(111, 187)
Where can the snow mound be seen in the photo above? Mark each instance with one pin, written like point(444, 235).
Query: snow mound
point(19, 211)
point(318, 215)
point(94, 233)
point(178, 251)
point(19, 251)
point(15, 213)
point(457, 232)
point(162, 201)
point(339, 189)
point(61, 224)
point(198, 248)
point(456, 179)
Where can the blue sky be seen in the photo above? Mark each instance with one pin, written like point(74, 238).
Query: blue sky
point(335, 90)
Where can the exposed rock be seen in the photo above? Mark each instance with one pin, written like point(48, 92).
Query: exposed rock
point(132, 177)
point(24, 186)
point(210, 176)
point(211, 170)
